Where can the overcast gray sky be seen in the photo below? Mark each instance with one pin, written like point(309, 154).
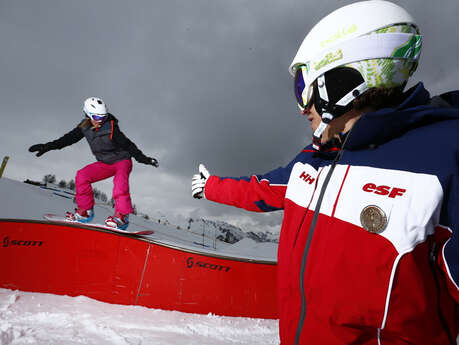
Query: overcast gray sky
point(190, 81)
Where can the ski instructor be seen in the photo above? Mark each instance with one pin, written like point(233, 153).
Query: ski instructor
point(369, 247)
point(113, 151)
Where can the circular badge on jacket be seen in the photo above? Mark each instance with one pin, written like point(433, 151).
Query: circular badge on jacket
point(373, 219)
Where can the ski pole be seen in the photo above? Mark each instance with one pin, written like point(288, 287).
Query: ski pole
point(2, 168)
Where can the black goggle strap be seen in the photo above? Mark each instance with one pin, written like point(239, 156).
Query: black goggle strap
point(322, 108)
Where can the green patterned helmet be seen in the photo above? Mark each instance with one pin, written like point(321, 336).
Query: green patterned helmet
point(376, 38)
point(393, 71)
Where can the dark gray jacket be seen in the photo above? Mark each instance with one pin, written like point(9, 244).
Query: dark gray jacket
point(107, 143)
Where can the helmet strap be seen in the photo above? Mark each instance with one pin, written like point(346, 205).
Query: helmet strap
point(328, 110)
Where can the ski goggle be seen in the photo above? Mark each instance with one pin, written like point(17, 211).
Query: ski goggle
point(303, 89)
point(96, 117)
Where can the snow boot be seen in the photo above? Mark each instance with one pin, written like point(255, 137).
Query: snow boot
point(80, 215)
point(119, 221)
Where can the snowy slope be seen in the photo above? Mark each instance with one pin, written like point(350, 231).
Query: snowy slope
point(24, 201)
point(44, 319)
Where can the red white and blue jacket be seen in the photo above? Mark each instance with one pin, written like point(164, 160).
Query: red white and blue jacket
point(394, 283)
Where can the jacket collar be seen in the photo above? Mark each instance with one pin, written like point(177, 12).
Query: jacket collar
point(376, 128)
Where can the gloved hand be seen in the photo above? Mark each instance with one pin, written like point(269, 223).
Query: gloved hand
point(40, 149)
point(152, 161)
point(198, 182)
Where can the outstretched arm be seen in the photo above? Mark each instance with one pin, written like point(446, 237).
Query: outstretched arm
point(67, 139)
point(258, 193)
point(255, 193)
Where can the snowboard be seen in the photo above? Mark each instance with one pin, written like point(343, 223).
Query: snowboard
point(59, 219)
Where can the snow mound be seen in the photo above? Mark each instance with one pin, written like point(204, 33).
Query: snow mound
point(34, 318)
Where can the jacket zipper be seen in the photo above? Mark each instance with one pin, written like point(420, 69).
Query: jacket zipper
point(309, 239)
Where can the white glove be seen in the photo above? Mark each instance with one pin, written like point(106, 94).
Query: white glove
point(198, 182)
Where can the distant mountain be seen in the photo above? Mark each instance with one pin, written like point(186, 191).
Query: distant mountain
point(227, 232)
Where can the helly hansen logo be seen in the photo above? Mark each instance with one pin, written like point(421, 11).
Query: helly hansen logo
point(307, 178)
point(391, 192)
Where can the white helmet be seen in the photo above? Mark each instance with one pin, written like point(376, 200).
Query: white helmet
point(376, 38)
point(95, 108)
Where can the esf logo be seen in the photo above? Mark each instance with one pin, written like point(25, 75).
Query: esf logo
point(190, 263)
point(391, 192)
point(8, 243)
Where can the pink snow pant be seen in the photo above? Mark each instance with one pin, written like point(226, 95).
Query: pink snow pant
point(99, 171)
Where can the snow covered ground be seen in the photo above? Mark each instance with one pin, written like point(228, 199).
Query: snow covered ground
point(45, 319)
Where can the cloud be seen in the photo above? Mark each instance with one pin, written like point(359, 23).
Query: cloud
point(191, 82)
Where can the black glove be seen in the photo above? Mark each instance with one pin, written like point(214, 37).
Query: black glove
point(40, 149)
point(152, 161)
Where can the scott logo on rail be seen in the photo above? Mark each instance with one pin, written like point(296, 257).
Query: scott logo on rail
point(190, 263)
point(8, 243)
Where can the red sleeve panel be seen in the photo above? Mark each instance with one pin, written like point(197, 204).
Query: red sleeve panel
point(449, 218)
point(258, 193)
point(452, 286)
point(250, 194)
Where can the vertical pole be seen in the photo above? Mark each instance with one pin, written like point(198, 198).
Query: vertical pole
point(2, 168)
point(203, 229)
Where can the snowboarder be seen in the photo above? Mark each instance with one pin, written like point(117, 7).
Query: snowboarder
point(369, 246)
point(113, 151)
